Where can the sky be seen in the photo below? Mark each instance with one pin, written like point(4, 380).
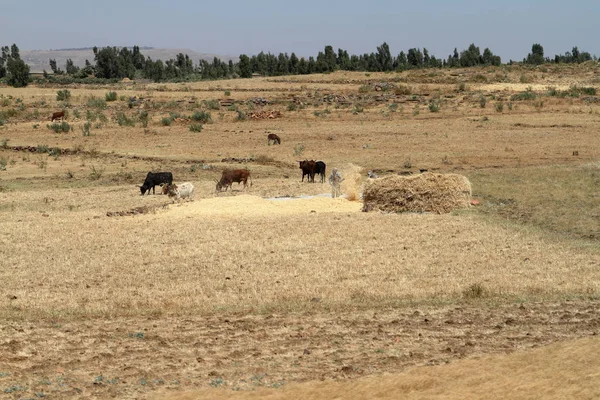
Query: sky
point(305, 27)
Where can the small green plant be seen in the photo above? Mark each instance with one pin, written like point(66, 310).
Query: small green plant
point(446, 160)
point(3, 163)
point(299, 150)
point(58, 128)
point(482, 101)
point(123, 120)
point(166, 121)
point(434, 106)
point(63, 95)
point(364, 89)
point(110, 96)
point(212, 104)
point(407, 163)
point(241, 116)
point(143, 118)
point(292, 107)
point(474, 291)
point(499, 106)
point(76, 114)
point(35, 126)
point(4, 143)
point(462, 87)
point(94, 102)
point(357, 109)
point(393, 107)
point(526, 95)
point(86, 128)
point(403, 90)
point(227, 93)
point(42, 148)
point(42, 164)
point(509, 105)
point(196, 127)
point(416, 110)
point(202, 116)
point(96, 173)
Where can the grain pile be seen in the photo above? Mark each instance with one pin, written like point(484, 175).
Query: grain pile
point(428, 192)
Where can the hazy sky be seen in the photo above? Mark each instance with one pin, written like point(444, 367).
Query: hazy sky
point(507, 27)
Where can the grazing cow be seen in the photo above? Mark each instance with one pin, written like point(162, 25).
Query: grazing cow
point(57, 115)
point(320, 170)
point(183, 191)
point(273, 137)
point(155, 178)
point(308, 168)
point(230, 176)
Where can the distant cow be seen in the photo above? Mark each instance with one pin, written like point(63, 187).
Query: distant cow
point(308, 168)
point(230, 176)
point(274, 138)
point(57, 115)
point(176, 192)
point(320, 170)
point(155, 178)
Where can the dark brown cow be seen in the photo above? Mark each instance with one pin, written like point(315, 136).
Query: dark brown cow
point(230, 176)
point(273, 137)
point(308, 168)
point(57, 115)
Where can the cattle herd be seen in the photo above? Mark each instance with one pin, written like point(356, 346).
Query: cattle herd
point(228, 177)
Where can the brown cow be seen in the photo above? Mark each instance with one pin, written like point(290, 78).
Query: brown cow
point(230, 176)
point(57, 115)
point(308, 168)
point(273, 137)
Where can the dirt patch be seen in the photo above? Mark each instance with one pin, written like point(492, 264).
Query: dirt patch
point(133, 357)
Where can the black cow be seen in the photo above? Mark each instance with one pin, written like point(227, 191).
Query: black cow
point(320, 170)
point(155, 178)
point(308, 168)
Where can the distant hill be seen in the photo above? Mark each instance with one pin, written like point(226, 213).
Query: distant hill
point(38, 59)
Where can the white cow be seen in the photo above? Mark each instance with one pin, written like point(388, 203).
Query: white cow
point(183, 191)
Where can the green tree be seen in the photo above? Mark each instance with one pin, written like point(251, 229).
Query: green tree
point(245, 66)
point(384, 57)
point(71, 68)
point(536, 56)
point(16, 69)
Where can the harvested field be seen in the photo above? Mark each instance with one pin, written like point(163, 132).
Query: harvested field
point(107, 293)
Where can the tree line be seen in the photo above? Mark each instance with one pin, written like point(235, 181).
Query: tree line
point(123, 62)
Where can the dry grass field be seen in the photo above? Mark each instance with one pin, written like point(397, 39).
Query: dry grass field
point(280, 291)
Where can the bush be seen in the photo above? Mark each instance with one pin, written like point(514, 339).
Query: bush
point(63, 95)
point(110, 96)
point(85, 129)
point(212, 104)
point(62, 127)
point(196, 127)
point(527, 95)
point(434, 106)
point(241, 116)
point(298, 149)
point(96, 173)
point(3, 163)
point(403, 89)
point(143, 118)
point(482, 101)
point(123, 120)
point(227, 93)
point(201, 116)
point(499, 107)
point(292, 107)
point(95, 102)
point(166, 121)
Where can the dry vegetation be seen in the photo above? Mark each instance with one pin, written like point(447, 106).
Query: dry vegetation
point(107, 293)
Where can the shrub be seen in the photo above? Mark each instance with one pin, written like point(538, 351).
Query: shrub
point(3, 163)
point(527, 95)
point(212, 104)
point(499, 107)
point(292, 107)
point(4, 143)
point(434, 106)
point(85, 129)
point(227, 93)
point(110, 96)
point(403, 89)
point(166, 121)
point(393, 107)
point(96, 173)
point(62, 127)
point(241, 116)
point(196, 127)
point(298, 150)
point(482, 101)
point(480, 78)
point(462, 87)
point(201, 116)
point(63, 95)
point(143, 118)
point(364, 89)
point(95, 102)
point(123, 120)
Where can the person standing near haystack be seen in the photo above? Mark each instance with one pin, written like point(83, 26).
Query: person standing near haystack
point(335, 179)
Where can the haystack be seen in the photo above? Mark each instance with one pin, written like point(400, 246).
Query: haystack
point(428, 192)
